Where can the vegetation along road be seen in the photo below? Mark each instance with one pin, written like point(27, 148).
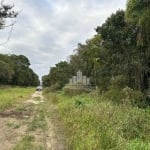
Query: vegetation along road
point(29, 124)
point(58, 121)
point(69, 114)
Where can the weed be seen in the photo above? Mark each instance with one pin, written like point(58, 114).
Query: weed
point(27, 143)
point(94, 123)
point(10, 96)
point(138, 145)
point(13, 125)
point(37, 98)
point(38, 121)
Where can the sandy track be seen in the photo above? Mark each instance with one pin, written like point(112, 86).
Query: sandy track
point(14, 124)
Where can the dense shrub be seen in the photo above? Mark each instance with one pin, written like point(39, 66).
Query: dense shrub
point(124, 96)
point(75, 90)
point(55, 87)
point(119, 81)
point(136, 125)
point(94, 123)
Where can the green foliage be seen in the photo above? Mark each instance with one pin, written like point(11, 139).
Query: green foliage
point(27, 143)
point(136, 125)
point(94, 123)
point(55, 87)
point(52, 97)
point(58, 76)
point(15, 70)
point(115, 95)
point(45, 80)
point(38, 121)
point(119, 81)
point(136, 9)
point(126, 96)
point(138, 13)
point(117, 59)
point(75, 90)
point(118, 56)
point(9, 96)
point(6, 72)
point(138, 145)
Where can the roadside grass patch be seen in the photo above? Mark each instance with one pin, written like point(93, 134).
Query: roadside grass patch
point(13, 125)
point(38, 121)
point(24, 108)
point(10, 96)
point(138, 145)
point(27, 143)
point(37, 98)
point(95, 123)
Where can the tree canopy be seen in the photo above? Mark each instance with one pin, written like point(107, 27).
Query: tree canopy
point(119, 53)
point(15, 70)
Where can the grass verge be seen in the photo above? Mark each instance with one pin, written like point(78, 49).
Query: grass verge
point(9, 96)
point(97, 124)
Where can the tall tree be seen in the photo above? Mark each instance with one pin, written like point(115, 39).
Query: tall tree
point(58, 75)
point(6, 69)
point(138, 13)
point(115, 52)
point(16, 70)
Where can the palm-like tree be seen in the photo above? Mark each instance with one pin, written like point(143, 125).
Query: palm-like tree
point(138, 13)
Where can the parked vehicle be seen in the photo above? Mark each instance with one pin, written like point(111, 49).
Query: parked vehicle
point(39, 88)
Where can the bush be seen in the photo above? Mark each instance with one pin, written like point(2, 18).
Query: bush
point(114, 95)
point(119, 81)
point(74, 90)
point(94, 125)
point(46, 90)
point(126, 96)
point(136, 125)
point(103, 83)
point(52, 88)
point(136, 98)
point(51, 96)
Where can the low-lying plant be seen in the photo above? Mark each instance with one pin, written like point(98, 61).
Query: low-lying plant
point(27, 143)
point(75, 90)
point(38, 121)
point(92, 122)
point(125, 96)
point(10, 96)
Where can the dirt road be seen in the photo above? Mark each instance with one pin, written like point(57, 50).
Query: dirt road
point(31, 125)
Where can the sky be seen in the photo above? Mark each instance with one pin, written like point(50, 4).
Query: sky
point(47, 31)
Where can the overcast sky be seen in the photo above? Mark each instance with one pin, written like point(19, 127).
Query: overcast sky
point(47, 31)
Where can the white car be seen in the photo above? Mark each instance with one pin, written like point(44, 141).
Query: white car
point(39, 88)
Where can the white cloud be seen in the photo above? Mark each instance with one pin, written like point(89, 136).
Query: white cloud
point(48, 31)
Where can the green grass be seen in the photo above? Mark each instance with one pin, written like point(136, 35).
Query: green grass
point(38, 121)
point(10, 96)
point(13, 125)
point(93, 123)
point(27, 143)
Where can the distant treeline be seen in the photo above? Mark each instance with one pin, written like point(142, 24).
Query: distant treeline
point(119, 54)
point(15, 70)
